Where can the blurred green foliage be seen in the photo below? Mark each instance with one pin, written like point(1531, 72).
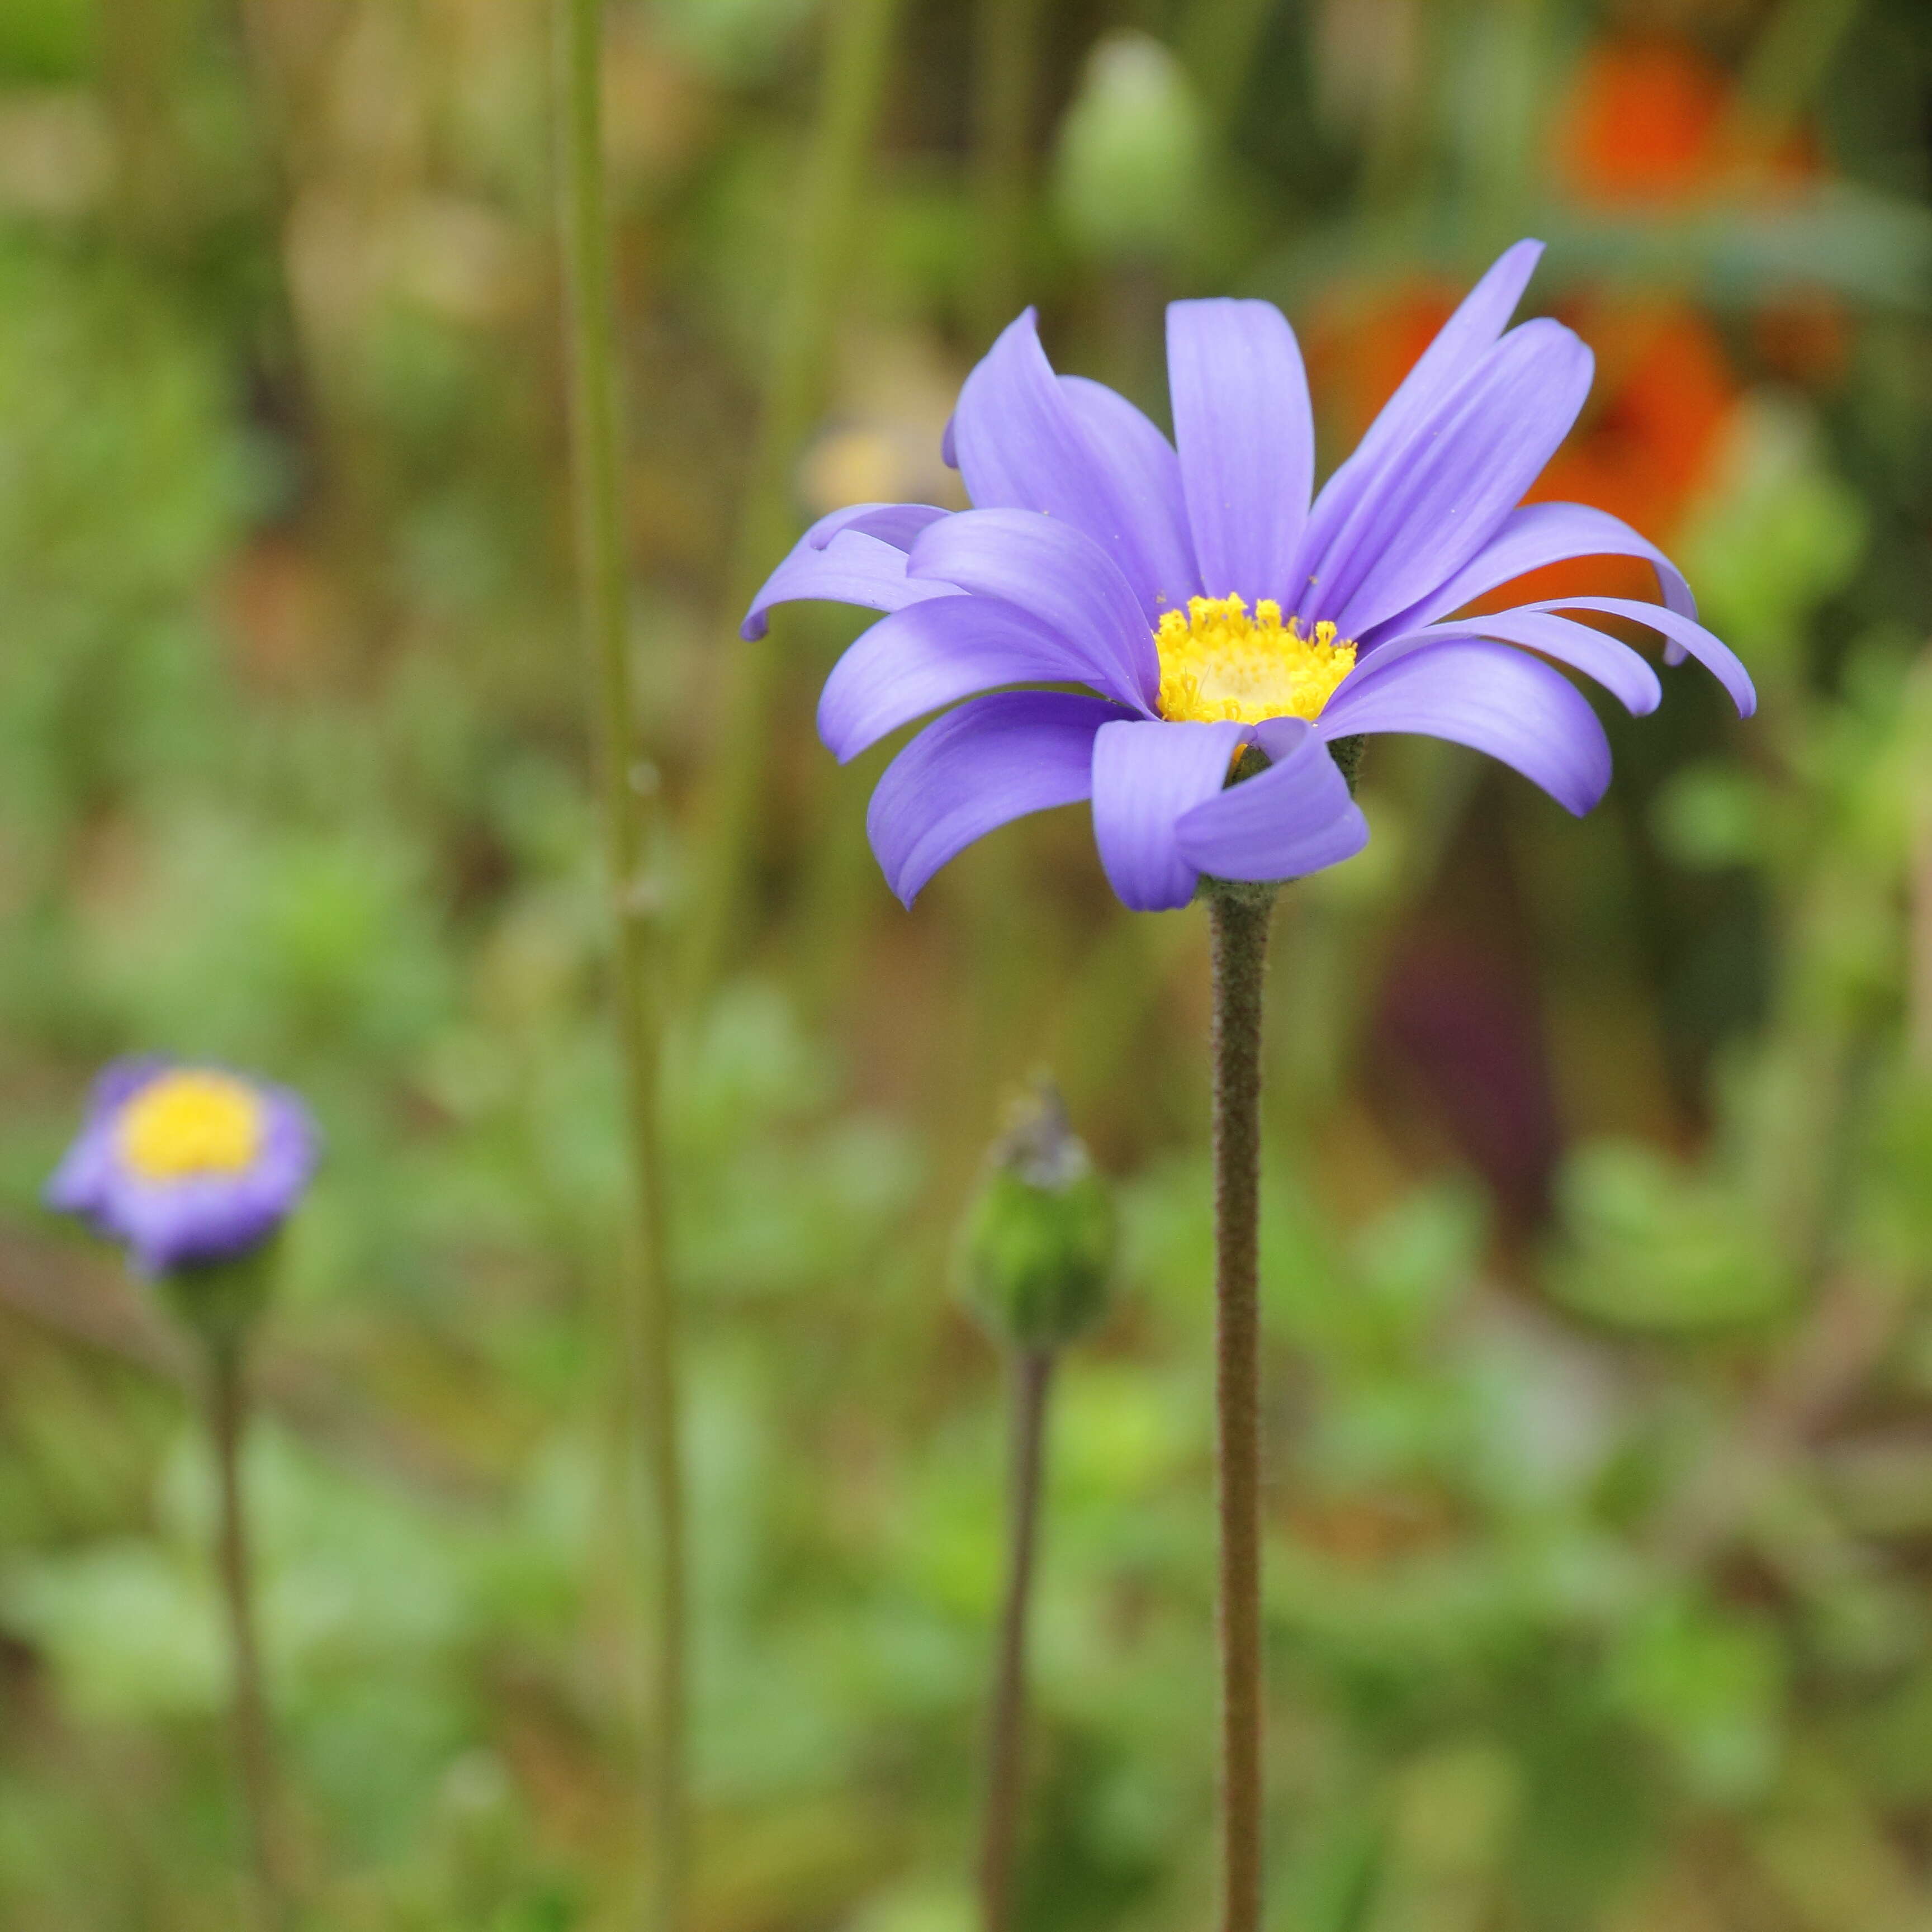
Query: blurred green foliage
point(1596, 1231)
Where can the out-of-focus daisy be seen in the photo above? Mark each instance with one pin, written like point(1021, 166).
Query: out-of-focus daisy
point(186, 1166)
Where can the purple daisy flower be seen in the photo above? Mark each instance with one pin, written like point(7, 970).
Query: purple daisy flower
point(1206, 605)
point(185, 1166)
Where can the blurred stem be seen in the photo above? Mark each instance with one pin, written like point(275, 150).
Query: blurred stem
point(850, 91)
point(1007, 57)
point(1006, 1734)
point(1239, 927)
point(1786, 66)
point(141, 46)
point(628, 790)
point(254, 1754)
point(1918, 877)
point(1218, 45)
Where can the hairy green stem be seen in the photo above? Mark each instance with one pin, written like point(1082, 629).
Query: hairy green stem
point(851, 88)
point(1239, 928)
point(1005, 1731)
point(627, 794)
point(254, 1752)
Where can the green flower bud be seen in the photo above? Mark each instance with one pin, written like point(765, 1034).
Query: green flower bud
point(1131, 173)
point(1037, 1246)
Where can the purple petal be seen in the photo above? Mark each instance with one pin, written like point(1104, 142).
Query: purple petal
point(851, 569)
point(1545, 533)
point(931, 655)
point(992, 759)
point(1469, 468)
point(1619, 669)
point(1148, 473)
point(1459, 345)
point(1061, 578)
point(1294, 818)
point(895, 523)
point(1023, 444)
point(1689, 638)
point(79, 1185)
point(1487, 696)
point(1246, 438)
point(186, 1223)
point(117, 1082)
point(1147, 773)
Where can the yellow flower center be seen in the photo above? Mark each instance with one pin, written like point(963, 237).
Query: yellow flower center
point(191, 1123)
point(1216, 663)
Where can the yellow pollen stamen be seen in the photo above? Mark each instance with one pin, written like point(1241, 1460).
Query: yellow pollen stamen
point(1216, 663)
point(190, 1123)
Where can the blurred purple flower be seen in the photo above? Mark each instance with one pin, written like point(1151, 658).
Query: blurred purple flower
point(1100, 555)
point(185, 1166)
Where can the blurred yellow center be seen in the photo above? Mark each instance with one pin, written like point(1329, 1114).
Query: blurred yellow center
point(1217, 663)
point(189, 1123)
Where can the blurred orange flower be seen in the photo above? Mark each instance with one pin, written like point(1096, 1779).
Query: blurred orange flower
point(1663, 391)
point(1651, 119)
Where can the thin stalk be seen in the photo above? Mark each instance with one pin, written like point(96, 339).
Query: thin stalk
point(1218, 39)
point(1239, 930)
point(851, 89)
point(1005, 1730)
point(1006, 35)
point(628, 806)
point(254, 1752)
point(1791, 56)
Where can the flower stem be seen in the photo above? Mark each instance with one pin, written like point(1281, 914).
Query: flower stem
point(851, 91)
point(1240, 929)
point(254, 1753)
point(1005, 1730)
point(627, 805)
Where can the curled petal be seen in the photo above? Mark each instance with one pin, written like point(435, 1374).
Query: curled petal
point(1489, 697)
point(1147, 773)
point(1687, 638)
point(1540, 534)
point(1061, 578)
point(851, 569)
point(1459, 345)
point(1294, 818)
point(1023, 443)
point(1246, 438)
point(895, 523)
point(991, 759)
point(931, 655)
point(1619, 669)
point(1147, 474)
point(1469, 469)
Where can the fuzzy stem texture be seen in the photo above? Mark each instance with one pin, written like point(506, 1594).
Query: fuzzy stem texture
point(1005, 1733)
point(1239, 928)
point(628, 793)
point(254, 1752)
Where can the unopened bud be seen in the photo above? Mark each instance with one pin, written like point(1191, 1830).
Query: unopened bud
point(1036, 1248)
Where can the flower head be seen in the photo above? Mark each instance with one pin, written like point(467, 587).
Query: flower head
point(185, 1166)
point(1205, 602)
